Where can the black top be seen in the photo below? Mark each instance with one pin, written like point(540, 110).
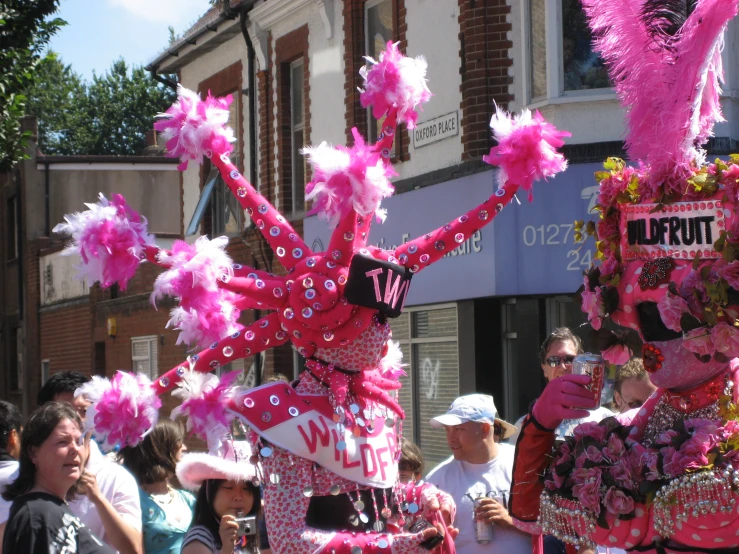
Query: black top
point(41, 523)
point(332, 513)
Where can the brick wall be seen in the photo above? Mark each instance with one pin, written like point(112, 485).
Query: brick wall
point(354, 52)
point(66, 336)
point(485, 59)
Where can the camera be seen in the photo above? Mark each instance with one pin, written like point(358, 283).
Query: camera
point(419, 526)
point(247, 525)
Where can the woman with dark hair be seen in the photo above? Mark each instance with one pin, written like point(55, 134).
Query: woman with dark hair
point(228, 503)
point(166, 512)
point(51, 461)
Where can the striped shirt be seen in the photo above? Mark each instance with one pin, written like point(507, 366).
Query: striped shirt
point(201, 534)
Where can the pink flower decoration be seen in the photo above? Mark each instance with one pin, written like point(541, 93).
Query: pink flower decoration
point(699, 341)
point(618, 354)
point(622, 473)
point(396, 81)
point(194, 128)
point(592, 304)
point(587, 488)
point(527, 148)
point(730, 273)
point(617, 502)
point(614, 449)
point(110, 238)
point(671, 309)
point(726, 339)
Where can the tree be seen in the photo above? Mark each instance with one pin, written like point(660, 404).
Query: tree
point(24, 31)
point(109, 116)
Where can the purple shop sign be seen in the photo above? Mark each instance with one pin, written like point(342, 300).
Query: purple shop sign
point(528, 249)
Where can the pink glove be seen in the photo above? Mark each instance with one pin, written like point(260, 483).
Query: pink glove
point(563, 398)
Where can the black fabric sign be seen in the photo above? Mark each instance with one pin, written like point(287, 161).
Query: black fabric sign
point(377, 284)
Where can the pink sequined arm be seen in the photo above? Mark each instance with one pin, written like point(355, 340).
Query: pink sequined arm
point(423, 251)
point(287, 506)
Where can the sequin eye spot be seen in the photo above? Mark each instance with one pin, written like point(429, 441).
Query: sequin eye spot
point(241, 192)
point(164, 382)
point(274, 231)
point(280, 251)
point(293, 411)
point(262, 209)
point(412, 249)
point(248, 402)
point(307, 312)
point(274, 400)
point(297, 253)
point(424, 258)
point(459, 238)
point(483, 215)
point(500, 192)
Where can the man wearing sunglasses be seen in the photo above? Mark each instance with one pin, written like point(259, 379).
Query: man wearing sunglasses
point(556, 356)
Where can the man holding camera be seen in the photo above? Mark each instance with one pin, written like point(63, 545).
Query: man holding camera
point(478, 477)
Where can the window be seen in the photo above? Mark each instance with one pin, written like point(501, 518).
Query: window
point(45, 366)
point(144, 356)
point(560, 58)
point(11, 230)
point(297, 137)
point(378, 31)
point(100, 358)
point(428, 339)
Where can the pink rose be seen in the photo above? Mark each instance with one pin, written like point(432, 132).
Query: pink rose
point(614, 448)
point(587, 488)
point(730, 429)
point(621, 472)
point(617, 502)
point(671, 309)
point(594, 454)
point(725, 338)
point(609, 266)
point(590, 429)
point(730, 178)
point(730, 273)
point(581, 459)
point(666, 437)
point(693, 283)
point(618, 354)
point(592, 304)
point(608, 228)
point(699, 341)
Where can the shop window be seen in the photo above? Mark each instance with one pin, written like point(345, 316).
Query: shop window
point(428, 339)
point(297, 137)
point(560, 57)
point(144, 356)
point(379, 30)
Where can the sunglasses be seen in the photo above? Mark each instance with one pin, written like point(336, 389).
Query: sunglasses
point(554, 361)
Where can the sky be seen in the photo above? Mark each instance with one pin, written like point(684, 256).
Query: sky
point(99, 32)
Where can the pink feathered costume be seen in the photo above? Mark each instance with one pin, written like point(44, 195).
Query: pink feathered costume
point(328, 444)
point(661, 478)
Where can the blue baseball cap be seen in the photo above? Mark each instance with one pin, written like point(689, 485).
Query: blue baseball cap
point(473, 407)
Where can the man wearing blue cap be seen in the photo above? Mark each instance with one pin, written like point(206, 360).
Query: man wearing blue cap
point(479, 467)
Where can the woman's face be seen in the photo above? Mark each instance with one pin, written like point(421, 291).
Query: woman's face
point(564, 350)
point(232, 497)
point(59, 458)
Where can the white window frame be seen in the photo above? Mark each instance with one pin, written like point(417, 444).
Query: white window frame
point(555, 71)
point(295, 157)
point(152, 356)
point(45, 368)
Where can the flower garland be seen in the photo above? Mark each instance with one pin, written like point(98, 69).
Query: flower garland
point(704, 306)
point(611, 474)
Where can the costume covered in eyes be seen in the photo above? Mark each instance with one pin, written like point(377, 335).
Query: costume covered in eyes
point(662, 478)
point(328, 445)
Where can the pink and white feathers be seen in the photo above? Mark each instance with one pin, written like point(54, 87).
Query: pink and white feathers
point(110, 237)
point(396, 81)
point(206, 313)
point(124, 409)
point(527, 148)
point(204, 397)
point(194, 128)
point(668, 82)
point(346, 179)
point(391, 364)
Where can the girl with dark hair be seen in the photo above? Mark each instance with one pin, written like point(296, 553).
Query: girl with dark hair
point(166, 512)
point(226, 496)
point(51, 461)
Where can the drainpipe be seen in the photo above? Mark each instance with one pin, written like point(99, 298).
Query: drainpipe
point(166, 82)
point(47, 215)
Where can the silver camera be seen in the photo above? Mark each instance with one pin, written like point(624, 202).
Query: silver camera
point(247, 525)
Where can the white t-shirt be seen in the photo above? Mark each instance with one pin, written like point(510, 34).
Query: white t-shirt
point(464, 482)
point(8, 474)
point(117, 485)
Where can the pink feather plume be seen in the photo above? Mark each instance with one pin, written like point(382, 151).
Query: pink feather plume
point(668, 83)
point(346, 179)
point(124, 409)
point(527, 148)
point(204, 397)
point(194, 128)
point(110, 238)
point(396, 81)
point(391, 364)
point(206, 313)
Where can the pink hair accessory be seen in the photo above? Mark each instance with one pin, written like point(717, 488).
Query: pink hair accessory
point(194, 128)
point(527, 148)
point(204, 398)
point(618, 354)
point(396, 81)
point(124, 409)
point(347, 178)
point(110, 237)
